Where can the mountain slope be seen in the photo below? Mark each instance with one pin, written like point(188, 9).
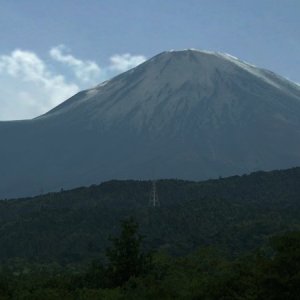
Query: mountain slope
point(182, 114)
point(236, 214)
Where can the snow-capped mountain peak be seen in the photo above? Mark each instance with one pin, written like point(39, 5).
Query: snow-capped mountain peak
point(186, 114)
point(175, 83)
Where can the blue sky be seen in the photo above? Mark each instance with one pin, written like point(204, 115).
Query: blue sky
point(49, 50)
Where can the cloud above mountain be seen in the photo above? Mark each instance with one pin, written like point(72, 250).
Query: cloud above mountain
point(32, 85)
point(84, 70)
point(124, 62)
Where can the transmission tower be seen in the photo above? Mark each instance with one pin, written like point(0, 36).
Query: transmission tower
point(154, 201)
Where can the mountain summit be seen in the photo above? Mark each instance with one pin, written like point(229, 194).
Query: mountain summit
point(184, 114)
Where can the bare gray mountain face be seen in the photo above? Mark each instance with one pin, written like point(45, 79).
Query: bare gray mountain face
point(182, 114)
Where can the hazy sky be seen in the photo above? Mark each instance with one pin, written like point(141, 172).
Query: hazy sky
point(49, 50)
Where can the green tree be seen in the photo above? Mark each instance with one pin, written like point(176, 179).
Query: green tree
point(281, 273)
point(126, 258)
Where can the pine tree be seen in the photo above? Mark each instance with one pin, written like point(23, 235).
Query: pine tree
point(126, 258)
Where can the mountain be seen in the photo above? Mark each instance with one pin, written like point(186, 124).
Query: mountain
point(182, 114)
point(235, 214)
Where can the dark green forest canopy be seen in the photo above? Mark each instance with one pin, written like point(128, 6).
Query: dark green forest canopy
point(273, 274)
point(235, 214)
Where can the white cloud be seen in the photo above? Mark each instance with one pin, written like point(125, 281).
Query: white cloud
point(86, 71)
point(29, 87)
point(124, 62)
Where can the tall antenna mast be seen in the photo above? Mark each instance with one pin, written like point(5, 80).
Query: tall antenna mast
point(154, 201)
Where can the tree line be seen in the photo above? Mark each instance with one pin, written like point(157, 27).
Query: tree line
point(131, 272)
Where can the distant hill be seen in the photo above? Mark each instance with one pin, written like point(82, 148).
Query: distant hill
point(236, 214)
point(187, 114)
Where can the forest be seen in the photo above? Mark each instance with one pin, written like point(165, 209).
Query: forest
point(130, 272)
point(229, 238)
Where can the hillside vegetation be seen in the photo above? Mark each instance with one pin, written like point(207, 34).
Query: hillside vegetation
point(236, 215)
